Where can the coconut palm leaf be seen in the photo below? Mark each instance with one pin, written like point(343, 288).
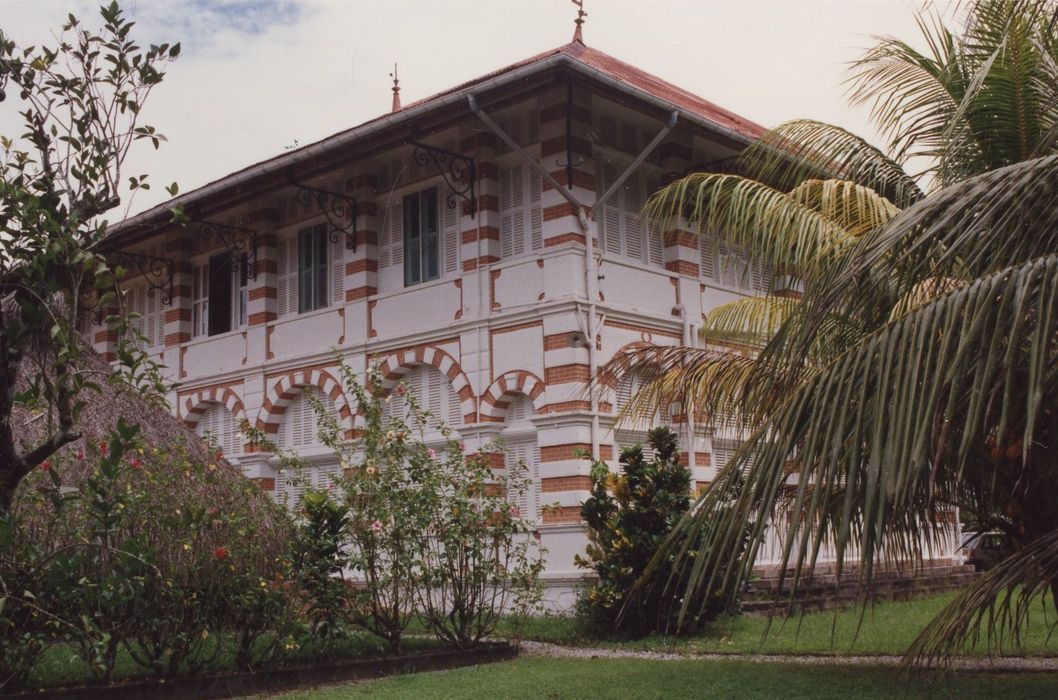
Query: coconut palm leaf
point(853, 207)
point(773, 228)
point(806, 149)
point(881, 436)
point(748, 322)
point(995, 607)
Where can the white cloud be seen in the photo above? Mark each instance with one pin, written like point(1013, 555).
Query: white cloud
point(258, 74)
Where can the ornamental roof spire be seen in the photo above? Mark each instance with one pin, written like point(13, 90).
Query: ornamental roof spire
point(578, 35)
point(396, 89)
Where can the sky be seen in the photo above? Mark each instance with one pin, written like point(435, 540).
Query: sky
point(259, 76)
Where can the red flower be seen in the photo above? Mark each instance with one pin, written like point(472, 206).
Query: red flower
point(103, 447)
point(219, 456)
point(45, 466)
point(80, 454)
point(136, 463)
point(399, 390)
point(220, 553)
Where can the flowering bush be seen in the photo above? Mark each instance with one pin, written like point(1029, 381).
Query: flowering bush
point(113, 546)
point(427, 531)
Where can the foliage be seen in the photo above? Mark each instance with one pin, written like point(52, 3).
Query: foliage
point(128, 558)
point(629, 515)
point(917, 373)
point(80, 102)
point(410, 529)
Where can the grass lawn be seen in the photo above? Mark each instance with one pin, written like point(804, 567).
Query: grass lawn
point(631, 679)
point(887, 628)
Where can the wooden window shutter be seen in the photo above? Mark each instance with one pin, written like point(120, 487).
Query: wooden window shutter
point(337, 272)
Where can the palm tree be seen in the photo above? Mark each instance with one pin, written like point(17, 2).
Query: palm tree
point(919, 371)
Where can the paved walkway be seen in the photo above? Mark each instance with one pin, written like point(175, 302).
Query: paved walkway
point(1004, 664)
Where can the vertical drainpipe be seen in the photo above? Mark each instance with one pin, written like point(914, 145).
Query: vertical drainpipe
point(688, 341)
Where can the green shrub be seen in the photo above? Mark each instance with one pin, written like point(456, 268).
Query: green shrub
point(628, 516)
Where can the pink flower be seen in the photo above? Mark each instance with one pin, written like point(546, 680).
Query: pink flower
point(462, 446)
point(376, 526)
point(399, 390)
point(516, 512)
point(45, 466)
point(432, 452)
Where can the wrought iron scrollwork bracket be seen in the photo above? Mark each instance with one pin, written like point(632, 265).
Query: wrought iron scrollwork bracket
point(156, 270)
point(457, 170)
point(339, 209)
point(238, 240)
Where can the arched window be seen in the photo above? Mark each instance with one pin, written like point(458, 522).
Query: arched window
point(219, 427)
point(519, 439)
point(300, 426)
point(433, 392)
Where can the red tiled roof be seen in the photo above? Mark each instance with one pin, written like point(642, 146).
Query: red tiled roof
point(632, 76)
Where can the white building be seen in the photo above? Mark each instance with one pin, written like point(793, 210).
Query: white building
point(461, 243)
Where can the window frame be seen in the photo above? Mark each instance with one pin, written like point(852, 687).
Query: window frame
point(312, 278)
point(422, 243)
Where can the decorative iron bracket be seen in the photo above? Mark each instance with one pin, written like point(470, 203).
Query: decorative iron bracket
point(238, 240)
point(157, 271)
point(457, 170)
point(336, 207)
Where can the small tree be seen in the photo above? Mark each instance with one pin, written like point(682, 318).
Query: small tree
point(81, 102)
point(629, 516)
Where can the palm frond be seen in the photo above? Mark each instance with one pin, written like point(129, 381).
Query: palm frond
point(713, 383)
point(751, 321)
point(806, 149)
point(879, 437)
point(996, 607)
point(771, 227)
point(853, 207)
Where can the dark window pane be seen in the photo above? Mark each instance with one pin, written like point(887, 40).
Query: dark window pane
point(431, 238)
point(321, 241)
point(220, 273)
point(305, 270)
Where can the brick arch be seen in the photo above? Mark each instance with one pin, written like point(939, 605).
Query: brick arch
point(395, 366)
point(198, 402)
point(287, 387)
point(497, 398)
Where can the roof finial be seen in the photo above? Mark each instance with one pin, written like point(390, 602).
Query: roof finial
point(396, 89)
point(581, 14)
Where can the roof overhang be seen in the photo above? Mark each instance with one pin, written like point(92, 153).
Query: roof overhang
point(423, 117)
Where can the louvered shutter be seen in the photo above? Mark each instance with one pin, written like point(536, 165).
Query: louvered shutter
point(512, 211)
point(451, 240)
point(633, 233)
point(288, 276)
point(523, 463)
point(655, 244)
point(611, 213)
point(536, 212)
point(337, 253)
point(218, 425)
point(707, 254)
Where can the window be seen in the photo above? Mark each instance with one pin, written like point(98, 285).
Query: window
point(623, 230)
point(521, 218)
point(313, 292)
point(218, 426)
point(311, 271)
point(219, 295)
point(421, 238)
point(519, 441)
point(300, 424)
point(433, 392)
